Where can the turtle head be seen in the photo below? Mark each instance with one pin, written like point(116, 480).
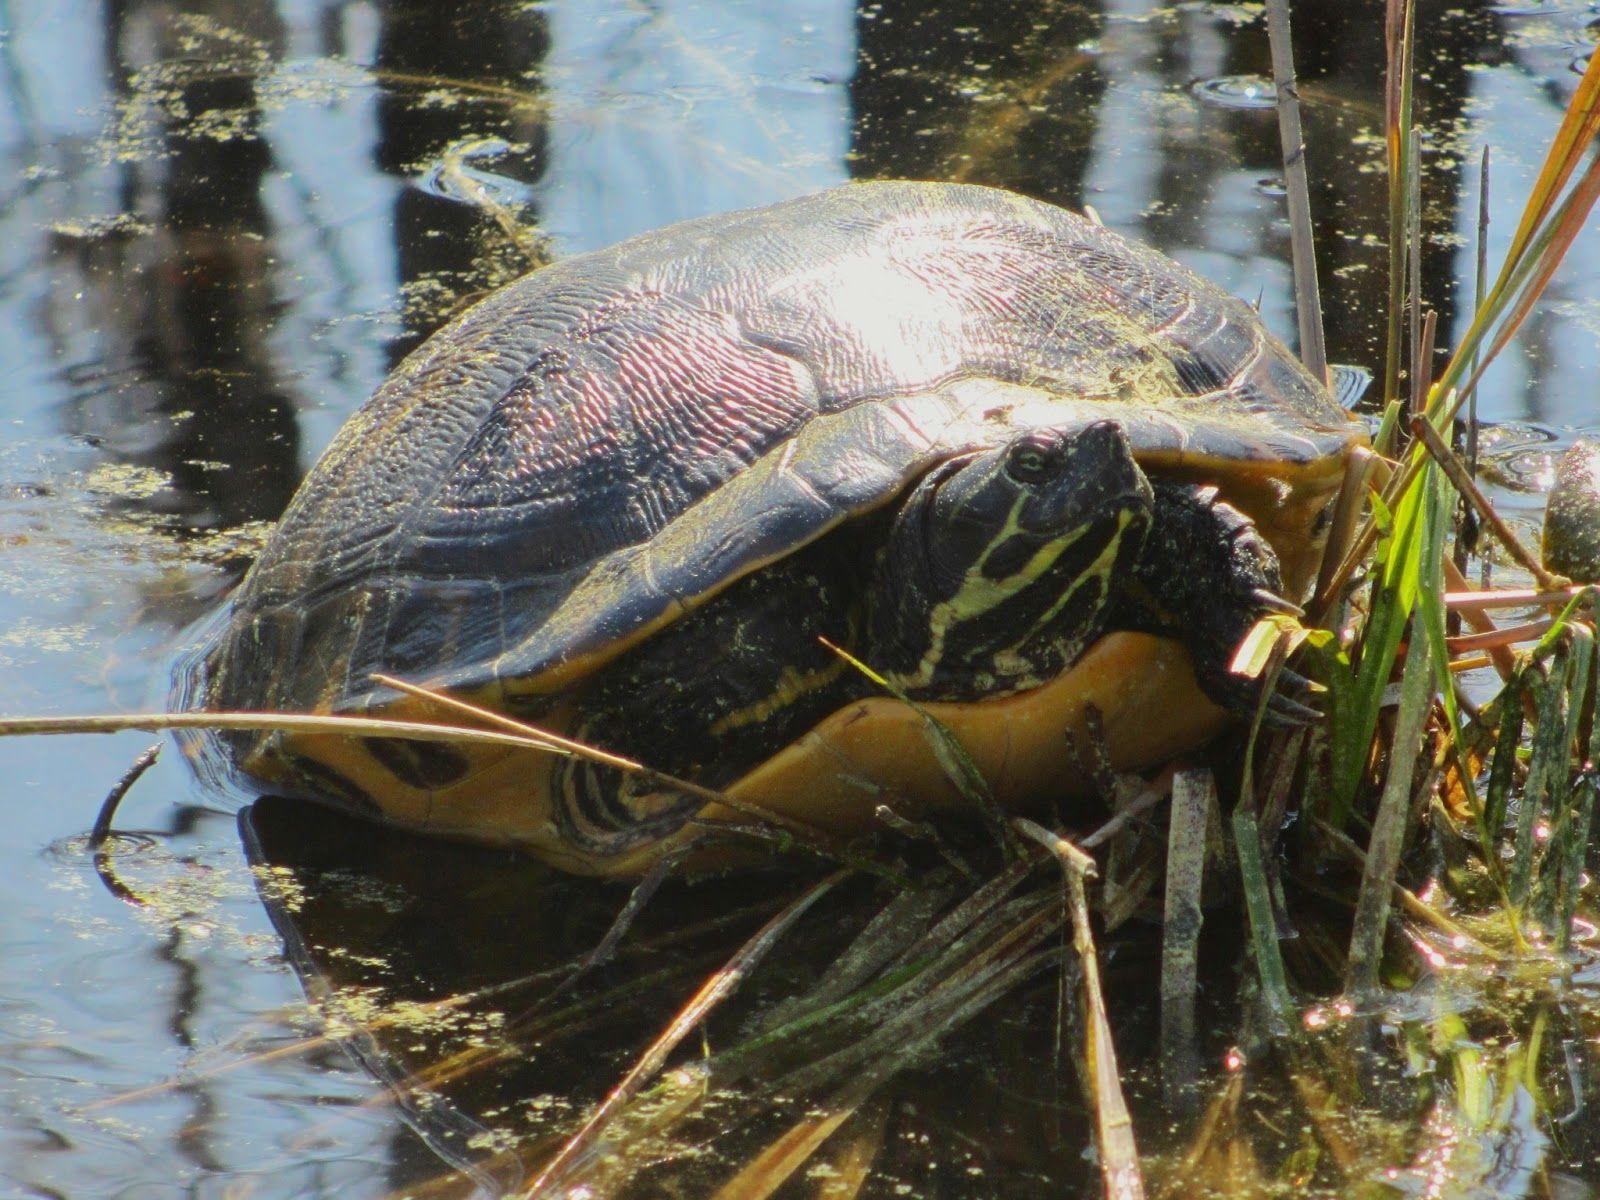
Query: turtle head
point(1000, 565)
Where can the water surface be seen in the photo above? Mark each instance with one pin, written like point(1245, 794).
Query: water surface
point(222, 223)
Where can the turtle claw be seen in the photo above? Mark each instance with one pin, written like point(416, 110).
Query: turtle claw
point(1273, 602)
point(1285, 712)
point(1297, 682)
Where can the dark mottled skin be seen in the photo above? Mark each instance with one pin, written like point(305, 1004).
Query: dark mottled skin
point(574, 413)
point(1572, 518)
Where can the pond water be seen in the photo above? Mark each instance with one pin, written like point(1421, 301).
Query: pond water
point(223, 222)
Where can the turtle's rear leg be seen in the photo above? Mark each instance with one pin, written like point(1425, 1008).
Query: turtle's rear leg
point(709, 698)
point(1205, 576)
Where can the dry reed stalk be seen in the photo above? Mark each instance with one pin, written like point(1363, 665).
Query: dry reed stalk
point(1399, 37)
point(1513, 597)
point(1193, 795)
point(809, 836)
point(1119, 1156)
point(1302, 244)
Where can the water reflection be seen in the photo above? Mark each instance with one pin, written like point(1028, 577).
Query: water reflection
point(221, 222)
point(491, 55)
point(184, 303)
point(670, 110)
point(980, 93)
point(446, 967)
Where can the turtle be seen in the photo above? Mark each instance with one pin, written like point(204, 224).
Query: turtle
point(1016, 465)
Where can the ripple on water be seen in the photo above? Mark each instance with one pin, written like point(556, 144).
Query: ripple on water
point(1520, 456)
point(464, 172)
point(1236, 91)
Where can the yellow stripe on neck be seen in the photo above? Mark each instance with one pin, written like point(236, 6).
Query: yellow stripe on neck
point(978, 594)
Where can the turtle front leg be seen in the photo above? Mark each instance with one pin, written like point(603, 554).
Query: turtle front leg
point(707, 699)
point(1205, 576)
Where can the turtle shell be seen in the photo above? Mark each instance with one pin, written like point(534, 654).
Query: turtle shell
point(603, 444)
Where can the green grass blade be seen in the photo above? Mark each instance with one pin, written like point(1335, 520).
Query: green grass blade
point(1263, 929)
point(1578, 813)
point(1502, 770)
point(947, 748)
point(1389, 826)
point(1546, 768)
point(1399, 558)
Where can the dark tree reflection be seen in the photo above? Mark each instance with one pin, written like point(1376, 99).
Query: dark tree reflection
point(977, 92)
point(492, 51)
point(190, 386)
point(1340, 58)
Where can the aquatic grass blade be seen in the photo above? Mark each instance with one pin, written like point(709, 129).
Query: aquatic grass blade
point(952, 756)
point(1398, 562)
point(1503, 766)
point(1571, 837)
point(1547, 765)
point(1585, 789)
point(1263, 929)
point(1389, 826)
point(1432, 620)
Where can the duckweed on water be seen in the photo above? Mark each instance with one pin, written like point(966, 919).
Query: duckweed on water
point(928, 1040)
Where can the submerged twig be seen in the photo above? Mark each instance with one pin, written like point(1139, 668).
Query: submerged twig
point(641, 895)
point(925, 831)
point(100, 835)
point(1147, 799)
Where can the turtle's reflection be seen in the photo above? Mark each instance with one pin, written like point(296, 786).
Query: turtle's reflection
point(442, 968)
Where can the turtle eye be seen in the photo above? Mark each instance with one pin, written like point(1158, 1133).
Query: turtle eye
point(1033, 461)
